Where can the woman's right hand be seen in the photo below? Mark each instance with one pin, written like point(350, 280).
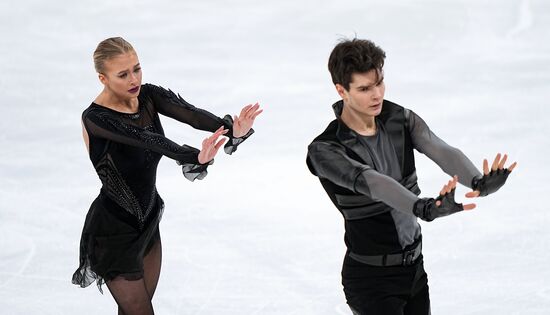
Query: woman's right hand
point(211, 145)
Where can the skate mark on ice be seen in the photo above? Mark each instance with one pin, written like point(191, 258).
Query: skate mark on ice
point(524, 19)
point(261, 308)
point(16, 253)
point(544, 294)
point(209, 297)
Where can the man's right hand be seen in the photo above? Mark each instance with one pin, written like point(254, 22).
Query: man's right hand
point(428, 209)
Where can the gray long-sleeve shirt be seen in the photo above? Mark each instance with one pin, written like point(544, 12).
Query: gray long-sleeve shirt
point(380, 182)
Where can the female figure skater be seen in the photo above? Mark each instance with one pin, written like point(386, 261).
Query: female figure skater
point(120, 244)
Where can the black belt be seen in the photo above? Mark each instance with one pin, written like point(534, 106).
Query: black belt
point(405, 258)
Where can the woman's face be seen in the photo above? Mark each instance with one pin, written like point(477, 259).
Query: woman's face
point(122, 75)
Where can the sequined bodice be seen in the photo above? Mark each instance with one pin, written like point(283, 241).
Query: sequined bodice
point(125, 148)
point(127, 172)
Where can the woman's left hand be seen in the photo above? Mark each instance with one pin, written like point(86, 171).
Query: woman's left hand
point(243, 122)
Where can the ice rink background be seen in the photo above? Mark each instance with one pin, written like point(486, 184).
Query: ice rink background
point(259, 235)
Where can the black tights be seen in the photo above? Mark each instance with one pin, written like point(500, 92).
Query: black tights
point(134, 296)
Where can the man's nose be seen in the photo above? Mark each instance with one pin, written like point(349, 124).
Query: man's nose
point(377, 92)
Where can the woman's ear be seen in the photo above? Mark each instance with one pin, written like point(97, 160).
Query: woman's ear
point(102, 78)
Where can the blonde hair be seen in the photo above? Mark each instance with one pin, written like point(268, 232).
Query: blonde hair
point(109, 48)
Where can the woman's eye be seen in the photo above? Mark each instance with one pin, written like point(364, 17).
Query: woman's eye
point(137, 70)
point(122, 76)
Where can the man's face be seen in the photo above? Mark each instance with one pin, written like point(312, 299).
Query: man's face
point(366, 93)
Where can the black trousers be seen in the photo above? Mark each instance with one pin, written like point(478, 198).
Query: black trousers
point(394, 290)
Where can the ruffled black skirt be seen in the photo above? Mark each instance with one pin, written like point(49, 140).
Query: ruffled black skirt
point(113, 244)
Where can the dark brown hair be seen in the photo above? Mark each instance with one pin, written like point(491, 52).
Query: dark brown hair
point(354, 56)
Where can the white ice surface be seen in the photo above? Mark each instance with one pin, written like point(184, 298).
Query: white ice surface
point(259, 235)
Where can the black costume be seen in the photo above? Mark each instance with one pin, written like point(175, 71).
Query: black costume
point(122, 223)
point(372, 181)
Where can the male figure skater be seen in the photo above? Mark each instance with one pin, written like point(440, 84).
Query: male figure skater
point(365, 162)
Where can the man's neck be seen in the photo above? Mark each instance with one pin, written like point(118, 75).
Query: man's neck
point(362, 124)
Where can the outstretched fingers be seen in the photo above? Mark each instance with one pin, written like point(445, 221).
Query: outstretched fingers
point(496, 161)
point(498, 164)
point(452, 185)
point(219, 132)
point(244, 121)
point(219, 144)
point(453, 182)
point(252, 108)
point(254, 115)
point(210, 145)
point(472, 194)
point(209, 141)
point(253, 111)
point(245, 110)
point(213, 139)
point(443, 190)
point(502, 161)
point(447, 188)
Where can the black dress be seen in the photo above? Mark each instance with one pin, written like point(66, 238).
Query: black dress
point(122, 223)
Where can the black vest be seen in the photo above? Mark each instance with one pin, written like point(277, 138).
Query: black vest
point(394, 119)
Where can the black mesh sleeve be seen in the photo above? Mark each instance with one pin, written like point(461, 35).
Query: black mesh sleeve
point(174, 106)
point(105, 125)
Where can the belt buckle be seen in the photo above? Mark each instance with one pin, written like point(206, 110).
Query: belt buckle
point(408, 258)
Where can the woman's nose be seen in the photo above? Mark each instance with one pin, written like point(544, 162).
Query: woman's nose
point(133, 77)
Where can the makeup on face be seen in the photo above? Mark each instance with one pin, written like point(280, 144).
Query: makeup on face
point(134, 90)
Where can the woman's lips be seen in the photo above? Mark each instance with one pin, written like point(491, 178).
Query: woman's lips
point(134, 90)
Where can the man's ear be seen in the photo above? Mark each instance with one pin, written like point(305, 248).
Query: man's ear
point(341, 91)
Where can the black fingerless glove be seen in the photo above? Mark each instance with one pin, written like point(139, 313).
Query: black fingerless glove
point(427, 210)
point(488, 184)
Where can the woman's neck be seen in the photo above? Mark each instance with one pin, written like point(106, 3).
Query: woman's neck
point(110, 100)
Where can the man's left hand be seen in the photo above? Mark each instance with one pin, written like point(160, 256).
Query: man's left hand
point(492, 180)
